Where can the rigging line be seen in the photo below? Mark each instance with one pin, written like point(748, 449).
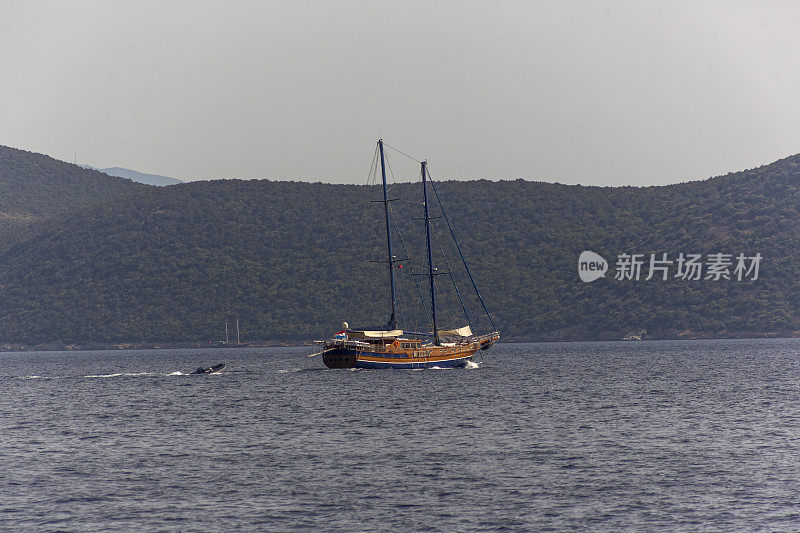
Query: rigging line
point(391, 171)
point(373, 167)
point(452, 278)
point(409, 262)
point(463, 260)
point(389, 164)
point(450, 274)
point(403, 153)
point(371, 180)
point(411, 268)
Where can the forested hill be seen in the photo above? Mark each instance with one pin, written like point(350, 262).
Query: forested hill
point(34, 186)
point(291, 260)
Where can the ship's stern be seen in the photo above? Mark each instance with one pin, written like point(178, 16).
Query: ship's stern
point(339, 358)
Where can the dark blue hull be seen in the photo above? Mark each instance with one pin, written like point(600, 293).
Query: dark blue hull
point(344, 358)
point(449, 363)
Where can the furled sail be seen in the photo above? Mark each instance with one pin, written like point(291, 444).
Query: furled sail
point(466, 331)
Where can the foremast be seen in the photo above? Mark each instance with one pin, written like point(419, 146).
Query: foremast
point(393, 319)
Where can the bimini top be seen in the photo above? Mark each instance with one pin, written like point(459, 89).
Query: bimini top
point(391, 334)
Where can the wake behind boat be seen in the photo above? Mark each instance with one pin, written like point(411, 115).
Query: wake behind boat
point(392, 347)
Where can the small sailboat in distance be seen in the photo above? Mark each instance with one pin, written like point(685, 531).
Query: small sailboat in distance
point(393, 347)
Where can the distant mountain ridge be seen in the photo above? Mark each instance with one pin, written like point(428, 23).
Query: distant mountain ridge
point(140, 177)
point(291, 260)
point(34, 187)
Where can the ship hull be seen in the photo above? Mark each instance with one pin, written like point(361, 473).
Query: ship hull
point(345, 358)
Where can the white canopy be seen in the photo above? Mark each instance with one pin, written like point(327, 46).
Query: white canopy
point(381, 334)
point(466, 331)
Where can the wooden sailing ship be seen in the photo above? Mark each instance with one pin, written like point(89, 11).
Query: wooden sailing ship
point(392, 347)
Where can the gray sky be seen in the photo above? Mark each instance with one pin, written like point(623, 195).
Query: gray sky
point(605, 93)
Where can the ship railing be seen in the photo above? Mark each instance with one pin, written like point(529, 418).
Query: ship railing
point(490, 337)
point(345, 343)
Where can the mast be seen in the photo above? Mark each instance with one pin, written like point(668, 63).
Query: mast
point(226, 332)
point(237, 332)
point(390, 262)
point(428, 243)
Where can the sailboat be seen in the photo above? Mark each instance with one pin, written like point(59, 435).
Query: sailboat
point(391, 346)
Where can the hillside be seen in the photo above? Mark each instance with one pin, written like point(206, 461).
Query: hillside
point(291, 260)
point(34, 187)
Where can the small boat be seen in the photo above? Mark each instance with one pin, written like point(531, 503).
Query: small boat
point(635, 335)
point(210, 370)
point(392, 347)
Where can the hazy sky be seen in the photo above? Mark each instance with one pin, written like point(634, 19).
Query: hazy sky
point(578, 92)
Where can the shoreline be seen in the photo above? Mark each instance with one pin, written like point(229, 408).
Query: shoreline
point(58, 346)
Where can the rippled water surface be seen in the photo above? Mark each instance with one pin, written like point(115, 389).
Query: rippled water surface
point(645, 436)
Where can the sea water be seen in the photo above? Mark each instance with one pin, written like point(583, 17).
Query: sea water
point(690, 435)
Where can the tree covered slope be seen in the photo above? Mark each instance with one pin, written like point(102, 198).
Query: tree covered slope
point(34, 186)
point(292, 260)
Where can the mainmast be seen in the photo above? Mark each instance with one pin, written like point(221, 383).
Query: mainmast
point(390, 262)
point(428, 243)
